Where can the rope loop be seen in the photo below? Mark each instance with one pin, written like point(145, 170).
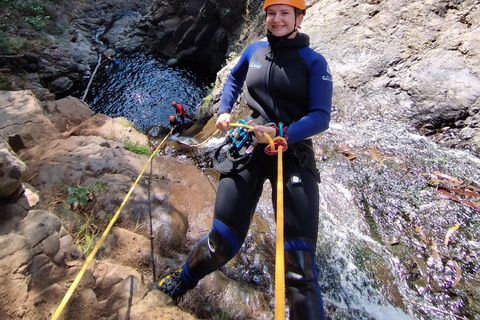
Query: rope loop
point(272, 148)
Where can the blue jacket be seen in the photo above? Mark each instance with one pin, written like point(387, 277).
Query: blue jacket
point(291, 84)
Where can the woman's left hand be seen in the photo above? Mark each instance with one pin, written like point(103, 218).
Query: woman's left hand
point(260, 137)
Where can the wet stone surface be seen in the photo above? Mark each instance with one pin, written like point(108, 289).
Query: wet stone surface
point(415, 245)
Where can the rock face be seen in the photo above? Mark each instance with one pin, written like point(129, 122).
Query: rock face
point(40, 245)
point(415, 62)
point(197, 31)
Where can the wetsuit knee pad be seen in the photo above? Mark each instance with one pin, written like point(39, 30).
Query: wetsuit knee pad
point(300, 262)
point(222, 240)
point(301, 281)
point(211, 253)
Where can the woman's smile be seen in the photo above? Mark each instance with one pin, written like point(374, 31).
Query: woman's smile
point(281, 19)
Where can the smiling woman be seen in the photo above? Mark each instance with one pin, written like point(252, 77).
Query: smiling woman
point(289, 94)
point(283, 20)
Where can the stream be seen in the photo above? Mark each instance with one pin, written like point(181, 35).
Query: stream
point(399, 238)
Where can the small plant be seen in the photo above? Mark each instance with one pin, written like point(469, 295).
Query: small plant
point(79, 196)
point(138, 149)
point(101, 185)
point(87, 228)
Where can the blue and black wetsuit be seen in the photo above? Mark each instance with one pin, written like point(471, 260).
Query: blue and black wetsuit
point(287, 82)
point(291, 84)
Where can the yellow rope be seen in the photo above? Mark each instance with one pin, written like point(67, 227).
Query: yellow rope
point(102, 238)
point(198, 145)
point(279, 247)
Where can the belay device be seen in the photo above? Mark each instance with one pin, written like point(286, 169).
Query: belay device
point(236, 151)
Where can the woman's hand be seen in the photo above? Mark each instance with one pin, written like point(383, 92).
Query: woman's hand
point(223, 122)
point(260, 137)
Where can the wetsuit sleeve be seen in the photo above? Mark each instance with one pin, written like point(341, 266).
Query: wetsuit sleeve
point(234, 84)
point(320, 96)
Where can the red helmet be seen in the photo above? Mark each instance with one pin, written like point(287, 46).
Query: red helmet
point(172, 118)
point(174, 103)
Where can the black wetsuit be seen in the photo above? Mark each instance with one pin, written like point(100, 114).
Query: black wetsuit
point(290, 84)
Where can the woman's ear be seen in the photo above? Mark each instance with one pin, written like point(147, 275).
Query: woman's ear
point(299, 20)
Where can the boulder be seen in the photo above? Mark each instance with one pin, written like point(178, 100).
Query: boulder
point(67, 113)
point(11, 171)
point(23, 120)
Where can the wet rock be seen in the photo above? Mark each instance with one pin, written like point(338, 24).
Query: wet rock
point(61, 85)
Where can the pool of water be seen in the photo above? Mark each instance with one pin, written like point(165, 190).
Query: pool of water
point(142, 88)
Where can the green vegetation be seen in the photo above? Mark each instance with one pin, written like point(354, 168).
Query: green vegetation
point(87, 227)
point(79, 196)
point(33, 12)
point(22, 23)
point(138, 149)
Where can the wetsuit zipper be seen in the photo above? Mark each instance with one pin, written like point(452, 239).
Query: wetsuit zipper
point(270, 83)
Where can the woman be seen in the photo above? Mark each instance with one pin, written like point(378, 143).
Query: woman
point(287, 82)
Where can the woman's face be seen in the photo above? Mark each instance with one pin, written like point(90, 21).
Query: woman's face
point(281, 19)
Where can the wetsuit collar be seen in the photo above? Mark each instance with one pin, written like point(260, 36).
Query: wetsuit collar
point(300, 40)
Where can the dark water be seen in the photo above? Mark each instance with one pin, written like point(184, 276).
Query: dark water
point(142, 88)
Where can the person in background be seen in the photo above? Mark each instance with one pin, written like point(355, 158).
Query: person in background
point(287, 82)
point(113, 64)
point(176, 125)
point(182, 113)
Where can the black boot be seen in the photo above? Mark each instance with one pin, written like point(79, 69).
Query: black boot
point(172, 285)
point(303, 292)
point(211, 253)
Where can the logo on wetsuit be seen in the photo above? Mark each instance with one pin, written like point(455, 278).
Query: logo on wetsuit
point(255, 65)
point(329, 77)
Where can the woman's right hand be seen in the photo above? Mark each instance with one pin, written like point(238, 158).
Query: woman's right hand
point(223, 122)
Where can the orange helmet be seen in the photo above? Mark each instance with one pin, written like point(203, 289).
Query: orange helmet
point(172, 118)
point(174, 103)
point(300, 4)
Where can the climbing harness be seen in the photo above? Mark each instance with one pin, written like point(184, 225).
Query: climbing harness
point(104, 235)
point(236, 151)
